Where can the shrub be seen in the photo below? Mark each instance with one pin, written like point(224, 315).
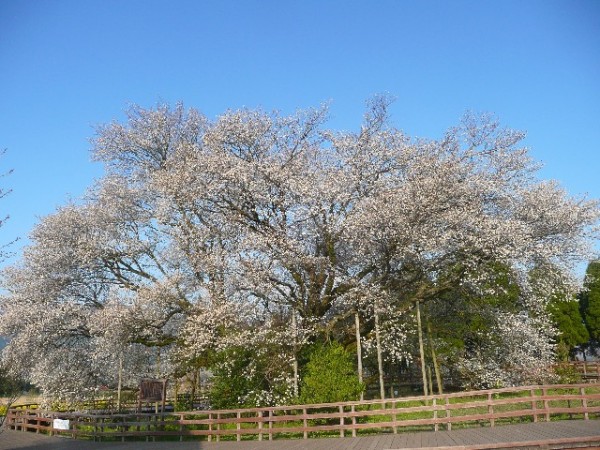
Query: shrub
point(329, 376)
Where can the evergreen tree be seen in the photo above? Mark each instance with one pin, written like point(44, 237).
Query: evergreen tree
point(572, 331)
point(590, 300)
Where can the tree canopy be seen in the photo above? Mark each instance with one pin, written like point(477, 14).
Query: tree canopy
point(259, 231)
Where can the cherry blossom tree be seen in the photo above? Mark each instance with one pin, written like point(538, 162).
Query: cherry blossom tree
point(260, 231)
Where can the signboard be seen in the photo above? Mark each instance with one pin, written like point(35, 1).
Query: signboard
point(152, 390)
point(60, 424)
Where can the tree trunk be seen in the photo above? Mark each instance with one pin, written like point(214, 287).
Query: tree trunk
point(359, 351)
point(421, 349)
point(379, 356)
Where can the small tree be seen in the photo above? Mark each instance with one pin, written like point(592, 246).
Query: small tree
point(330, 376)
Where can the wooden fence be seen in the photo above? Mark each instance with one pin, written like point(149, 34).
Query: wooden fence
point(588, 370)
point(476, 408)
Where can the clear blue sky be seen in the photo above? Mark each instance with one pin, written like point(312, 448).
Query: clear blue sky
point(69, 65)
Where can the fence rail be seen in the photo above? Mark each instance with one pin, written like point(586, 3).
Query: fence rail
point(487, 408)
point(588, 370)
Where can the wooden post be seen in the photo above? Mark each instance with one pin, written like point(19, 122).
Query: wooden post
point(379, 355)
point(305, 423)
point(534, 405)
point(546, 405)
point(218, 427)
point(429, 379)
point(421, 350)
point(352, 410)
point(238, 427)
point(448, 423)
point(295, 350)
point(341, 409)
point(270, 425)
point(436, 365)
point(123, 430)
point(359, 352)
point(210, 427)
point(181, 416)
point(436, 426)
point(259, 414)
point(491, 409)
point(584, 403)
point(120, 382)
point(395, 416)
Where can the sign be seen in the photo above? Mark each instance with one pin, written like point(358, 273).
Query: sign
point(152, 390)
point(60, 424)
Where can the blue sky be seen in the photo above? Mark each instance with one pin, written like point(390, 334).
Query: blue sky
point(70, 65)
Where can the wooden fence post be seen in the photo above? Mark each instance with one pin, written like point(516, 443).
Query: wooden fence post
point(395, 416)
point(259, 414)
point(448, 423)
point(181, 416)
point(353, 410)
point(436, 426)
point(341, 410)
point(305, 424)
point(491, 409)
point(218, 427)
point(546, 404)
point(534, 405)
point(584, 403)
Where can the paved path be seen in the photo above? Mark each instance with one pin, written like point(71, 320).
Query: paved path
point(579, 432)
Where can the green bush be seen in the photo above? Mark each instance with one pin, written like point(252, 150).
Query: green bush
point(250, 378)
point(329, 376)
point(567, 374)
point(232, 383)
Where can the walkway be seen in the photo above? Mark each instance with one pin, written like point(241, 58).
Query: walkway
point(563, 434)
